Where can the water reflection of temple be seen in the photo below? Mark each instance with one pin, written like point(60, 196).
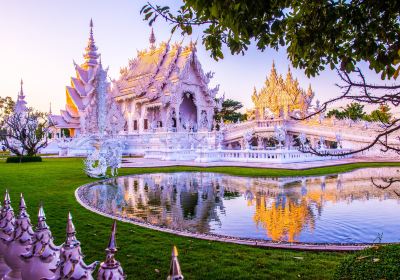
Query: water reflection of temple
point(179, 202)
point(282, 207)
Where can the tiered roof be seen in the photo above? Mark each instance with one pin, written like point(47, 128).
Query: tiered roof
point(156, 71)
point(79, 93)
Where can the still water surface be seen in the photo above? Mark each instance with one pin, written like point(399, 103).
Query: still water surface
point(340, 208)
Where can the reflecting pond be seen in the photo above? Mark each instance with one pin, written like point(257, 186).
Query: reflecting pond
point(361, 206)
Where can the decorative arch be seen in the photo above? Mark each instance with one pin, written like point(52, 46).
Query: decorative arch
point(188, 111)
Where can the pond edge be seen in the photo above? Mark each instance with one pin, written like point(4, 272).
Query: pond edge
point(301, 246)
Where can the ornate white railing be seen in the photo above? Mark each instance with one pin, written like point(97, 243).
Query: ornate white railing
point(261, 156)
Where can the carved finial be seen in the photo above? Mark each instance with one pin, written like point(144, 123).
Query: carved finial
point(50, 112)
point(22, 204)
point(41, 219)
point(71, 238)
point(7, 200)
point(152, 40)
point(175, 269)
point(112, 244)
point(111, 269)
point(71, 264)
point(91, 28)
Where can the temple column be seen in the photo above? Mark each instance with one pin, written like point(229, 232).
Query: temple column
point(141, 119)
point(130, 122)
point(178, 119)
point(198, 117)
point(131, 115)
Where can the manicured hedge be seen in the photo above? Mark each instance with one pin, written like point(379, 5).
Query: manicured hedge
point(23, 159)
point(381, 262)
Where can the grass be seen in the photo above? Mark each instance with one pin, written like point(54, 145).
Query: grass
point(375, 263)
point(144, 253)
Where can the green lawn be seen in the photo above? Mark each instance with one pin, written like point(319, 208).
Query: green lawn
point(144, 253)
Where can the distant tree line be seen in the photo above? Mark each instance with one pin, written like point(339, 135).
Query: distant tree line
point(355, 111)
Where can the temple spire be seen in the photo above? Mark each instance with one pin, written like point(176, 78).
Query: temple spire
point(91, 55)
point(152, 40)
point(20, 105)
point(21, 93)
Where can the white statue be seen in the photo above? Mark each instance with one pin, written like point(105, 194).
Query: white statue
point(107, 154)
point(280, 135)
point(114, 158)
point(303, 139)
point(247, 137)
point(219, 138)
point(322, 145)
point(339, 141)
point(204, 119)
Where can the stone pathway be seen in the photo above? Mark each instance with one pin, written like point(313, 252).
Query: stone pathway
point(143, 162)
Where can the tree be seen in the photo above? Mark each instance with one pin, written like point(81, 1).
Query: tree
point(6, 107)
point(24, 133)
point(229, 111)
point(314, 33)
point(353, 111)
point(381, 115)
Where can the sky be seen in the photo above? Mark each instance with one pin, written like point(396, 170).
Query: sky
point(40, 39)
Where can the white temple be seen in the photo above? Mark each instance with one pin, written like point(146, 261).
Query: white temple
point(162, 107)
point(164, 88)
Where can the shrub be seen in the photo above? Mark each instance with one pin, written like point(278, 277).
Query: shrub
point(23, 159)
point(379, 262)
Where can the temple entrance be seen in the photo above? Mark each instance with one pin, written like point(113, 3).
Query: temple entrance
point(188, 112)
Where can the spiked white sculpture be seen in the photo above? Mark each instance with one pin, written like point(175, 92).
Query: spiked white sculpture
point(7, 224)
point(19, 243)
point(175, 269)
point(111, 268)
point(106, 154)
point(43, 255)
point(71, 265)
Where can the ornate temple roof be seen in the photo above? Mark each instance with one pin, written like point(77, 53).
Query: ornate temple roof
point(281, 95)
point(155, 71)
